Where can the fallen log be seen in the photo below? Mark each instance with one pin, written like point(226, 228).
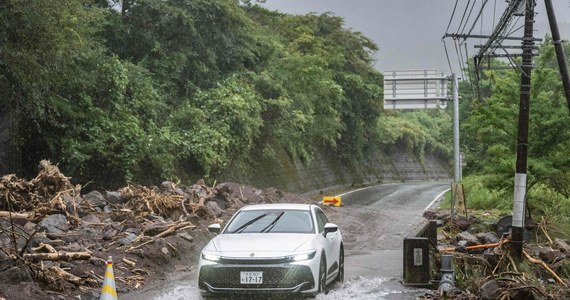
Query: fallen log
point(44, 248)
point(65, 275)
point(131, 263)
point(6, 214)
point(67, 256)
point(169, 231)
point(545, 266)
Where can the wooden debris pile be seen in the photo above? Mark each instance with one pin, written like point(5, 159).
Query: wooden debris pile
point(485, 269)
point(56, 240)
point(42, 195)
point(144, 201)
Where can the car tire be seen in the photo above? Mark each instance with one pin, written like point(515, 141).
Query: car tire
point(322, 284)
point(340, 276)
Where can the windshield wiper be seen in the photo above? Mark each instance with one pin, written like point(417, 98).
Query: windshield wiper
point(242, 227)
point(272, 224)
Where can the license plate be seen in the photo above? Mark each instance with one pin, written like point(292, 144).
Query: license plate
point(251, 277)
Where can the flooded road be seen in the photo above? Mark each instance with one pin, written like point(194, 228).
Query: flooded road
point(374, 222)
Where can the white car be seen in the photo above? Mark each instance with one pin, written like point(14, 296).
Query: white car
point(273, 248)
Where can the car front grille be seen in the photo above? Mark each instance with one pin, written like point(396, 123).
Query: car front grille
point(274, 277)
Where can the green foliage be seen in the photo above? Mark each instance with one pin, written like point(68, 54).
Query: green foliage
point(491, 126)
point(480, 196)
point(417, 131)
point(191, 88)
point(545, 201)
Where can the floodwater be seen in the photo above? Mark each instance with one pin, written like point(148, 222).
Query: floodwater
point(373, 221)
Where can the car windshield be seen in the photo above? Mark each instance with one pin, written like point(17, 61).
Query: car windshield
point(274, 221)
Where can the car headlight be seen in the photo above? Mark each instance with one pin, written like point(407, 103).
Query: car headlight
point(303, 256)
point(210, 257)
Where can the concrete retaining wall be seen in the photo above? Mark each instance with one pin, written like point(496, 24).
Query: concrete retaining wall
point(389, 165)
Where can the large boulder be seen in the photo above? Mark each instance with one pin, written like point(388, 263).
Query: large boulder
point(95, 199)
point(54, 224)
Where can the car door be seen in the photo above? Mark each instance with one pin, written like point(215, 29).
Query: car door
point(329, 241)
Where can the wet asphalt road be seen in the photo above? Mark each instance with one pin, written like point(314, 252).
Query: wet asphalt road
point(374, 222)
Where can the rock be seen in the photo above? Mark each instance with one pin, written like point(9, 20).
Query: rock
point(167, 186)
point(90, 295)
point(491, 256)
point(73, 247)
point(114, 197)
point(133, 230)
point(109, 234)
point(107, 209)
point(490, 290)
point(462, 222)
point(469, 238)
point(90, 233)
point(562, 245)
point(139, 252)
point(214, 208)
point(54, 224)
point(487, 237)
point(95, 199)
point(185, 236)
point(15, 275)
point(155, 228)
point(180, 192)
point(71, 204)
point(524, 293)
point(549, 255)
point(91, 219)
point(30, 226)
point(153, 217)
point(128, 239)
point(199, 189)
point(96, 261)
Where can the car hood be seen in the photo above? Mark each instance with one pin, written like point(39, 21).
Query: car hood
point(262, 244)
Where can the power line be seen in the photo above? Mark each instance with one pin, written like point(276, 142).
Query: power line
point(478, 16)
point(469, 16)
point(463, 17)
point(452, 14)
point(447, 55)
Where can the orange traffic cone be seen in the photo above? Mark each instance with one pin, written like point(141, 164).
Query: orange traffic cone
point(109, 292)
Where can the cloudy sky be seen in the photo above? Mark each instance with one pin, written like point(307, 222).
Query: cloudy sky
point(409, 32)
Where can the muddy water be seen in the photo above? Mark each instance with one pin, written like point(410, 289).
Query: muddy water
point(374, 222)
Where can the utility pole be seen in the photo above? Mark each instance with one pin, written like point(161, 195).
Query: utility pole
point(559, 50)
point(522, 140)
point(456, 153)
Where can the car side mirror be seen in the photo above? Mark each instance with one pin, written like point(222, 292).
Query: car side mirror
point(215, 228)
point(330, 227)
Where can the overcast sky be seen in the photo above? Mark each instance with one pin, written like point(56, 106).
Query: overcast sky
point(409, 32)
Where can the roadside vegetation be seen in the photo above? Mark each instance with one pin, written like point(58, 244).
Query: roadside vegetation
point(151, 90)
point(489, 122)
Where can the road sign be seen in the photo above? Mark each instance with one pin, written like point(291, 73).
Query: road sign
point(335, 201)
point(415, 89)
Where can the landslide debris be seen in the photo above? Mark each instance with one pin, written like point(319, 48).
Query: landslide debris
point(54, 240)
point(485, 269)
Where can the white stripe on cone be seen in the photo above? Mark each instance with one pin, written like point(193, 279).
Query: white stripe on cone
point(109, 292)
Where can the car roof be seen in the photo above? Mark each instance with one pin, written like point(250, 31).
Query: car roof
point(293, 206)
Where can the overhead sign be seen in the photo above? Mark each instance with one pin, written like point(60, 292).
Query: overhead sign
point(415, 89)
point(336, 201)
